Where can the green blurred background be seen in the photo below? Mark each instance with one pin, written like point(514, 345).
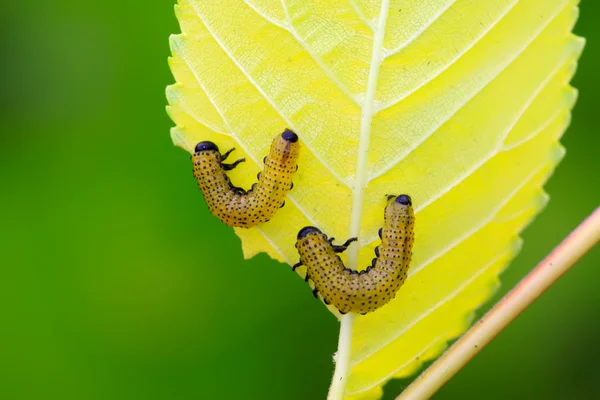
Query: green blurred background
point(117, 283)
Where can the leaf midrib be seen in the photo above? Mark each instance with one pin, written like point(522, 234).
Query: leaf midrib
point(367, 113)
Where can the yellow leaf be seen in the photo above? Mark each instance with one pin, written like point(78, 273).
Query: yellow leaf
point(458, 103)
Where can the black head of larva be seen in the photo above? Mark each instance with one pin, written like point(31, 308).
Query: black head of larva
point(206, 146)
point(307, 230)
point(404, 199)
point(289, 136)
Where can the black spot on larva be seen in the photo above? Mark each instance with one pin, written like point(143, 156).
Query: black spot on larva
point(306, 230)
point(290, 136)
point(404, 199)
point(380, 232)
point(206, 146)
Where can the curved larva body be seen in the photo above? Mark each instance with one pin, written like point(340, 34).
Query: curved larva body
point(235, 206)
point(352, 291)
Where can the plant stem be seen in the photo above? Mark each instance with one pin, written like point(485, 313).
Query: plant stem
point(342, 359)
point(562, 258)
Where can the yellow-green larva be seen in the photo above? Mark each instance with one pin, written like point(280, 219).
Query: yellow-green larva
point(365, 291)
point(233, 205)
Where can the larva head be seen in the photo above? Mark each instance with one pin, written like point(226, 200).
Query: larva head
point(308, 230)
point(308, 237)
point(285, 148)
point(206, 151)
point(404, 199)
point(290, 136)
point(206, 146)
point(399, 206)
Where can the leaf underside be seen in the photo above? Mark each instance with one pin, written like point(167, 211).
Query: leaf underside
point(458, 103)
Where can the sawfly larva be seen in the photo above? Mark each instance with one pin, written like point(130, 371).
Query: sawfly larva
point(233, 205)
point(352, 291)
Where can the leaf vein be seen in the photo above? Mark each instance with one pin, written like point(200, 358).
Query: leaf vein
point(419, 32)
point(315, 58)
point(463, 177)
point(486, 220)
point(199, 120)
point(267, 98)
point(396, 370)
point(265, 16)
point(466, 101)
point(361, 177)
point(500, 147)
point(451, 62)
point(241, 144)
point(273, 245)
point(437, 305)
point(360, 15)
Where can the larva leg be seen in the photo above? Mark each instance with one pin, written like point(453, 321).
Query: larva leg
point(229, 167)
point(343, 247)
point(238, 190)
point(227, 153)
